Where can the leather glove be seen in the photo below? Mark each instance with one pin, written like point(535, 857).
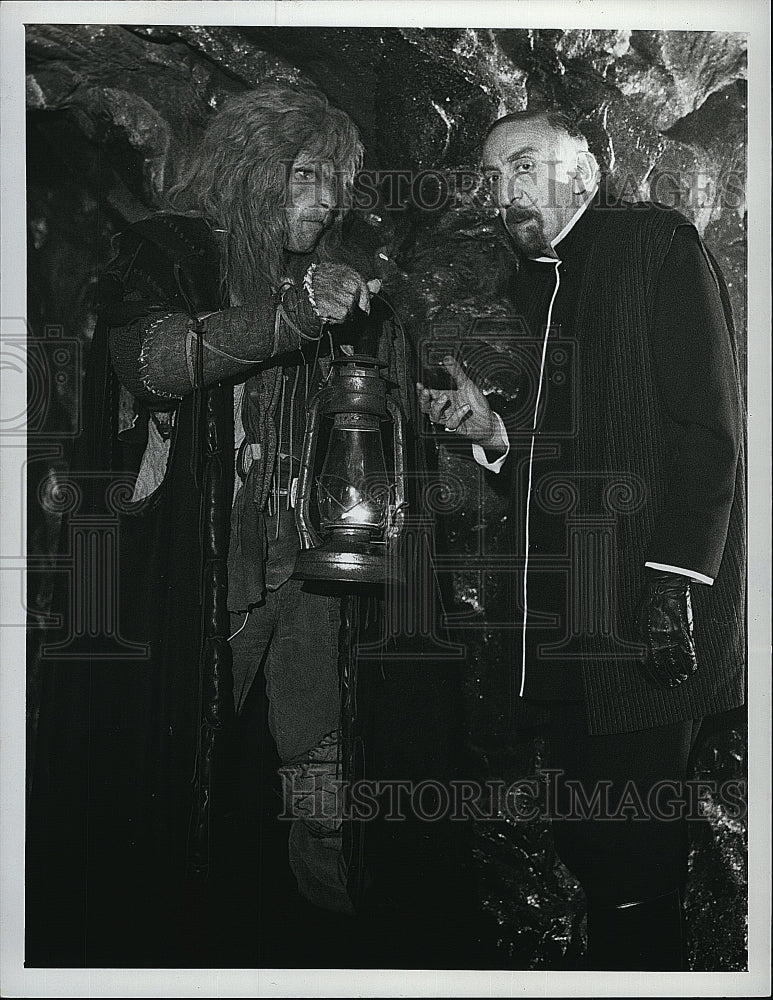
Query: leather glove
point(664, 617)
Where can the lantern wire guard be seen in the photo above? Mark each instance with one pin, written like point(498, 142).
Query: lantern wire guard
point(359, 503)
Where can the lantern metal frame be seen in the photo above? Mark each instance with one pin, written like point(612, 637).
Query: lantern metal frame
point(350, 554)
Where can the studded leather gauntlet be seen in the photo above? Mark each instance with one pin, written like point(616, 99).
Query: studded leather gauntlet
point(665, 626)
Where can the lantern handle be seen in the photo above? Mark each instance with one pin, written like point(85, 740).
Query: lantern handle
point(397, 513)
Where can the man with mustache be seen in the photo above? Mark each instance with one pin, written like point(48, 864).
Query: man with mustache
point(630, 463)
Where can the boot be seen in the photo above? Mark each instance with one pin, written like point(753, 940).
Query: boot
point(313, 795)
point(647, 935)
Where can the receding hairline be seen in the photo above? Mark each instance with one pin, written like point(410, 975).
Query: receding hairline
point(556, 122)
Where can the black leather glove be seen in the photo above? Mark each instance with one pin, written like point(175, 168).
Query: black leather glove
point(664, 616)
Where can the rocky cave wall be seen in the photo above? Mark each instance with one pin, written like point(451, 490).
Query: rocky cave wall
point(112, 113)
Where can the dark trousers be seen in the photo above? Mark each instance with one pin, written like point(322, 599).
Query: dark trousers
point(620, 804)
point(293, 636)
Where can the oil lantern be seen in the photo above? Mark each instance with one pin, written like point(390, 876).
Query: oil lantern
point(350, 507)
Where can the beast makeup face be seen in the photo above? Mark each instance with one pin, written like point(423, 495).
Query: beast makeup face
point(311, 202)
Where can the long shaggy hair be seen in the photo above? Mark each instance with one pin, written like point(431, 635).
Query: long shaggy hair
point(239, 174)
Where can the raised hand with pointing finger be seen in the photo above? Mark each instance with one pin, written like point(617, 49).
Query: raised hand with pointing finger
point(464, 410)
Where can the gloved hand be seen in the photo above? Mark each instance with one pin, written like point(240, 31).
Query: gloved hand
point(664, 617)
point(336, 290)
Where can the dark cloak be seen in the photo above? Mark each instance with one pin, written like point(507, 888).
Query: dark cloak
point(136, 825)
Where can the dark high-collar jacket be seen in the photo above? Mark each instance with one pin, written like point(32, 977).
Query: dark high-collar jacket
point(637, 457)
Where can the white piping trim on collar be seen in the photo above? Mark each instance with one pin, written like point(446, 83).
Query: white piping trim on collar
point(589, 195)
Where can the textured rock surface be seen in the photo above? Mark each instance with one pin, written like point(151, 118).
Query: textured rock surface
point(112, 111)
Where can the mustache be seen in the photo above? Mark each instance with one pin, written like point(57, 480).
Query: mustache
point(515, 215)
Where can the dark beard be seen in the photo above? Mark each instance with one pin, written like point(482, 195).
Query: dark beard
point(528, 242)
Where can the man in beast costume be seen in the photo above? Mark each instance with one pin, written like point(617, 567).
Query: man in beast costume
point(625, 459)
point(216, 324)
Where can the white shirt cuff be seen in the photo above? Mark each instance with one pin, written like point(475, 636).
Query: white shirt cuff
point(698, 577)
point(479, 454)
